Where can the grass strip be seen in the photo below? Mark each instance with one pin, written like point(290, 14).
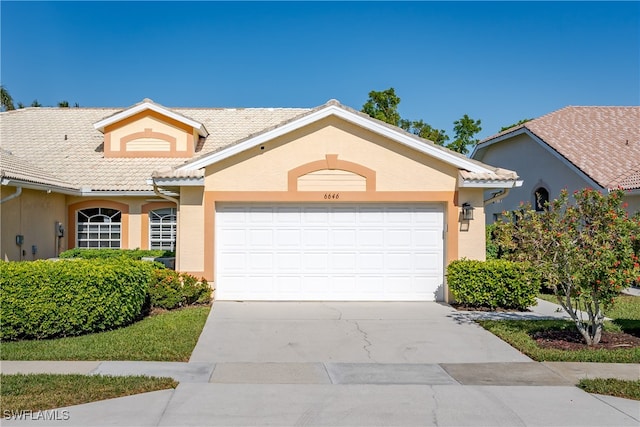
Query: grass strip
point(39, 392)
point(517, 333)
point(169, 336)
point(612, 387)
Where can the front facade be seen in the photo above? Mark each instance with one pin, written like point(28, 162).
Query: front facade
point(572, 148)
point(269, 204)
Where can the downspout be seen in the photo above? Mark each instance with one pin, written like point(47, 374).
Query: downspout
point(12, 196)
point(164, 196)
point(497, 197)
point(171, 199)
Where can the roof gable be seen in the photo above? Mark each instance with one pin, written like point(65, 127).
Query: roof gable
point(149, 105)
point(603, 143)
point(334, 108)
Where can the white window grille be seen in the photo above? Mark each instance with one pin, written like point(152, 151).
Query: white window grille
point(98, 228)
point(162, 229)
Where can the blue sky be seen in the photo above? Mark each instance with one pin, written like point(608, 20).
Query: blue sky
point(496, 61)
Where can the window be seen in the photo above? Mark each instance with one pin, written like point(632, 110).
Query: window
point(162, 229)
point(541, 199)
point(98, 228)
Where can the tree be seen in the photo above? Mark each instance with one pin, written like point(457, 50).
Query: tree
point(465, 129)
point(63, 104)
point(35, 103)
point(6, 101)
point(515, 124)
point(383, 106)
point(584, 251)
point(424, 130)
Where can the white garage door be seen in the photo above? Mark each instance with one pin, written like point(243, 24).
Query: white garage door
point(329, 252)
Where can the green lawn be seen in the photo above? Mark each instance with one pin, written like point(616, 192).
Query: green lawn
point(612, 387)
point(626, 317)
point(169, 336)
point(38, 392)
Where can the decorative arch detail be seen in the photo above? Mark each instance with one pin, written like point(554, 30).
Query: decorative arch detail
point(149, 133)
point(331, 162)
point(97, 203)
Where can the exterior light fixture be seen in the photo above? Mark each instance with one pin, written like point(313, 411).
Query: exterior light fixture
point(467, 212)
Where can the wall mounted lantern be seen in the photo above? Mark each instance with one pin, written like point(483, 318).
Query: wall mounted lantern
point(467, 212)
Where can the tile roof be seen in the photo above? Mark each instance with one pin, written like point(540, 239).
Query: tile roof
point(62, 142)
point(603, 142)
point(62, 145)
point(16, 168)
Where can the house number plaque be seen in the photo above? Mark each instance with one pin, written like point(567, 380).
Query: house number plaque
point(331, 196)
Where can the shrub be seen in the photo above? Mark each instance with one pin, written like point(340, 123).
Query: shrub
point(493, 283)
point(170, 290)
point(136, 254)
point(44, 299)
point(492, 248)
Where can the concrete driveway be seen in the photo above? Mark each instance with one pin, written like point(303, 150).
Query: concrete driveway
point(345, 332)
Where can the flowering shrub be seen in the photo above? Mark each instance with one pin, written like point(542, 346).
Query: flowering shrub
point(585, 251)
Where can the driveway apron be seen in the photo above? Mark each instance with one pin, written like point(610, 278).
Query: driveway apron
point(346, 332)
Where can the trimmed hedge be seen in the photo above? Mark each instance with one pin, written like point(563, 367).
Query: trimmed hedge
point(136, 254)
point(45, 299)
point(170, 290)
point(493, 283)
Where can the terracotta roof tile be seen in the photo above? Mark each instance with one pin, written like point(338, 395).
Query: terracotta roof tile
point(603, 142)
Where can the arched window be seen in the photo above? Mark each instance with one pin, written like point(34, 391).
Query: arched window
point(98, 228)
point(162, 229)
point(541, 199)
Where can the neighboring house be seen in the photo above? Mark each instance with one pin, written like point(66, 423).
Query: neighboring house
point(572, 148)
point(269, 203)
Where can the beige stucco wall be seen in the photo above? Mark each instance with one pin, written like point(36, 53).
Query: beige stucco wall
point(34, 215)
point(191, 240)
point(397, 167)
point(536, 166)
point(471, 236)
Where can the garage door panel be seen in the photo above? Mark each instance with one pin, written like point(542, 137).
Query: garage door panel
point(314, 261)
point(258, 238)
point(328, 252)
point(371, 262)
point(347, 237)
point(261, 262)
point(344, 285)
point(234, 237)
point(344, 261)
point(315, 285)
point(371, 239)
point(288, 284)
point(318, 216)
point(288, 238)
point(233, 261)
point(399, 238)
point(289, 262)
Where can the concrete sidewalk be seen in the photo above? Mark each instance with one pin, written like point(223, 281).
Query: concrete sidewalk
point(347, 394)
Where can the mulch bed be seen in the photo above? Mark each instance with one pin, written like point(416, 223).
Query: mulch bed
point(572, 340)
